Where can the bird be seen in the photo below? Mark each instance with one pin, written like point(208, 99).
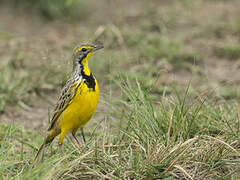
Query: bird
point(77, 102)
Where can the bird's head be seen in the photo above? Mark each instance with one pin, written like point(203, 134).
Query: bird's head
point(83, 52)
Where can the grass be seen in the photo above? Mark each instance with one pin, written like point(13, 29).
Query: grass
point(155, 47)
point(230, 51)
point(167, 138)
point(19, 81)
point(52, 9)
point(13, 83)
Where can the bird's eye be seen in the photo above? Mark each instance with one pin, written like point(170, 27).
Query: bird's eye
point(84, 49)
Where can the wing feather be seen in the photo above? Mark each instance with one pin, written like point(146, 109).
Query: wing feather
point(67, 94)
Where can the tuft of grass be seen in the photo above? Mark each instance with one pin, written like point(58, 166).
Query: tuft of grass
point(229, 51)
point(159, 46)
point(19, 81)
point(53, 9)
point(6, 35)
point(170, 137)
point(13, 83)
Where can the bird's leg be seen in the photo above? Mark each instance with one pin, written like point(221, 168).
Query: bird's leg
point(60, 147)
point(61, 138)
point(83, 135)
point(73, 134)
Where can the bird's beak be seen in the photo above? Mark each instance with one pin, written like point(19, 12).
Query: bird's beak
point(97, 47)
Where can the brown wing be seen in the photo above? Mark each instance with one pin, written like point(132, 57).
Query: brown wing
point(67, 94)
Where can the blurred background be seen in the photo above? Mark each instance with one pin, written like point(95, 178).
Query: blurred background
point(169, 73)
point(162, 43)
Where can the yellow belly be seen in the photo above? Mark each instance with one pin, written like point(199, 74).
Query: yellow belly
point(81, 108)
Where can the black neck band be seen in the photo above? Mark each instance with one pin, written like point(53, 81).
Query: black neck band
point(90, 81)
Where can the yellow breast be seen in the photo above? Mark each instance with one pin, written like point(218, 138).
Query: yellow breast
point(81, 108)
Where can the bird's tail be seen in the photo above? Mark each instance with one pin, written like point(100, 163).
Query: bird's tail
point(40, 154)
